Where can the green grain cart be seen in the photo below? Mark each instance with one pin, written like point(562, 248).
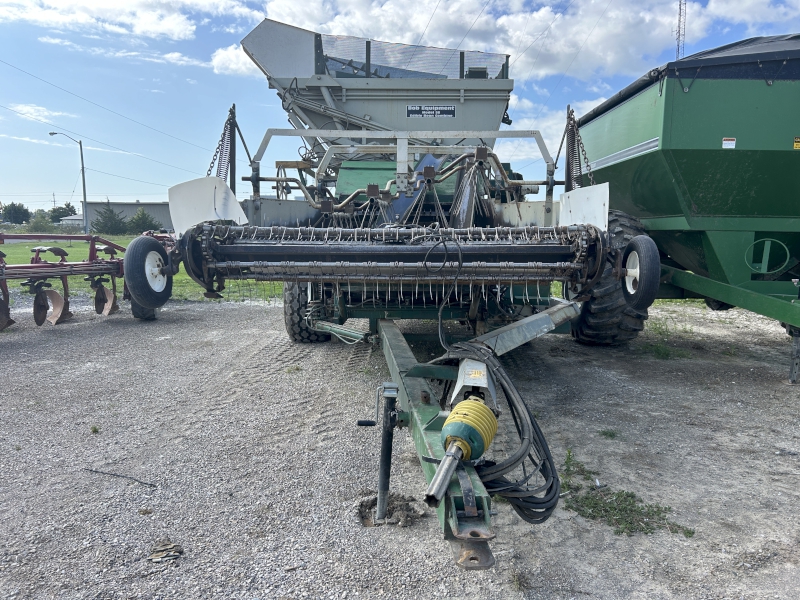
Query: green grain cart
point(705, 153)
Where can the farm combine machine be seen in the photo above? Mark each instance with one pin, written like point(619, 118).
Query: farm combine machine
point(399, 208)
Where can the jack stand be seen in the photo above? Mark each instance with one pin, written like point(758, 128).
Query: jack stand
point(384, 472)
point(389, 390)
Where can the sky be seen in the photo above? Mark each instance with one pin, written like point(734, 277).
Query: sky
point(146, 85)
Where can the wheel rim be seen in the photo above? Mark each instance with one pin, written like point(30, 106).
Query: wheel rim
point(153, 264)
point(632, 272)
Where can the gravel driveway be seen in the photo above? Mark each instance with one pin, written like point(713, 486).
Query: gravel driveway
point(241, 448)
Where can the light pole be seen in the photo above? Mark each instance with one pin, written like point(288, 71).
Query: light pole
point(83, 179)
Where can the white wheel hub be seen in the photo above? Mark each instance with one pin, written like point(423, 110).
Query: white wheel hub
point(153, 263)
point(632, 272)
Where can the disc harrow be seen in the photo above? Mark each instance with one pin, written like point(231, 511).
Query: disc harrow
point(102, 266)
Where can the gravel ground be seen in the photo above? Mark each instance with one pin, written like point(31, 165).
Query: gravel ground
point(256, 468)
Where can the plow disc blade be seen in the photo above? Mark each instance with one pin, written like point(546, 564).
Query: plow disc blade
point(105, 302)
point(61, 311)
point(40, 308)
point(5, 315)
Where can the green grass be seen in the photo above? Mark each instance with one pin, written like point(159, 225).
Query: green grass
point(95, 429)
point(622, 510)
point(609, 434)
point(183, 287)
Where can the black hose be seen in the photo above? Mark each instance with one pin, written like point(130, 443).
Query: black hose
point(533, 502)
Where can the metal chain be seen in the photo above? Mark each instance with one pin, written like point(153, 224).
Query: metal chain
point(574, 124)
point(219, 147)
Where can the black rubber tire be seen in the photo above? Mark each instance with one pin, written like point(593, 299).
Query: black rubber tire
point(142, 313)
point(646, 285)
point(136, 277)
point(606, 319)
point(718, 304)
point(295, 305)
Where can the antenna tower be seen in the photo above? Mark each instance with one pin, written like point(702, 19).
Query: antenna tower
point(680, 36)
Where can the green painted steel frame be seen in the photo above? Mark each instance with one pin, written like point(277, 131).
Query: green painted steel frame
point(784, 310)
point(425, 424)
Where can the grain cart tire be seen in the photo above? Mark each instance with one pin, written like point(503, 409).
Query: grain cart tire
point(643, 265)
point(140, 312)
point(143, 259)
point(605, 318)
point(717, 304)
point(295, 306)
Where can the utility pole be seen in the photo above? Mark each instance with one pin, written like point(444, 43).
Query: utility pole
point(680, 36)
point(83, 179)
point(54, 199)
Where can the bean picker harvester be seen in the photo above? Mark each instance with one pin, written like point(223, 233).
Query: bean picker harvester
point(404, 211)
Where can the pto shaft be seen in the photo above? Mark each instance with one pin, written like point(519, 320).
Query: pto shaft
point(441, 480)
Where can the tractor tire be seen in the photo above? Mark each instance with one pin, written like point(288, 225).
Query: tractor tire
point(142, 313)
point(606, 319)
point(143, 258)
point(295, 306)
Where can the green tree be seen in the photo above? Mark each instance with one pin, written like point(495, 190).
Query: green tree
point(109, 222)
point(59, 212)
point(16, 212)
point(141, 222)
point(41, 223)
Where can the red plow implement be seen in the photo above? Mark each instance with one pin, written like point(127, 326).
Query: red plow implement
point(101, 267)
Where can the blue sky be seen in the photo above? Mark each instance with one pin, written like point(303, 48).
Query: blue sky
point(176, 67)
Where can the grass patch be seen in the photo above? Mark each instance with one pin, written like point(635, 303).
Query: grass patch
point(609, 434)
point(95, 429)
point(294, 369)
point(664, 352)
point(624, 511)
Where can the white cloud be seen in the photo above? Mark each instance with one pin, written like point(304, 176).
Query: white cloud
point(146, 18)
point(233, 61)
point(30, 140)
point(592, 39)
point(33, 111)
point(191, 81)
point(175, 58)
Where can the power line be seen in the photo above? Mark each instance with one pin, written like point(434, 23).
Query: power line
point(423, 33)
point(128, 178)
point(542, 33)
point(98, 141)
point(103, 107)
point(564, 74)
point(465, 36)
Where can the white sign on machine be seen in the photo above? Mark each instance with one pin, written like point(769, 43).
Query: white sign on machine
point(585, 205)
point(200, 200)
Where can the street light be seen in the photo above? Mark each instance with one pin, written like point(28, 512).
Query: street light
point(83, 178)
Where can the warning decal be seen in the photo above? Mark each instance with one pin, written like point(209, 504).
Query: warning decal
point(430, 111)
point(728, 143)
point(797, 142)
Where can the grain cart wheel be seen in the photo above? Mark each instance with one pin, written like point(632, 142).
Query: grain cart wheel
point(606, 319)
point(718, 304)
point(642, 272)
point(144, 259)
point(295, 308)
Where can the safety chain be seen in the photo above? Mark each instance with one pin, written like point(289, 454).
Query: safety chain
point(574, 124)
point(225, 133)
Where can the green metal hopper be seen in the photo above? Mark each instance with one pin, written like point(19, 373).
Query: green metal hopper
point(706, 152)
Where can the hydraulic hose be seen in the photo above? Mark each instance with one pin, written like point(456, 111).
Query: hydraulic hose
point(534, 502)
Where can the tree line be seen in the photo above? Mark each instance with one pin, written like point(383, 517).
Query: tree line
point(108, 221)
